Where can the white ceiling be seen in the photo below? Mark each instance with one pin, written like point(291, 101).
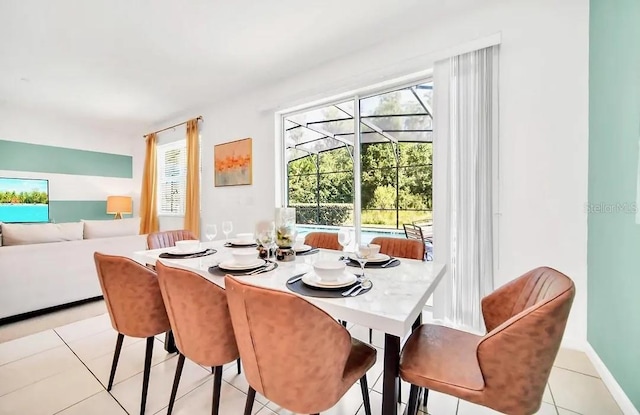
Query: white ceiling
point(142, 61)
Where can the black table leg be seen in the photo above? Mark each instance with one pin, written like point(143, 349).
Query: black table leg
point(417, 323)
point(390, 380)
point(170, 342)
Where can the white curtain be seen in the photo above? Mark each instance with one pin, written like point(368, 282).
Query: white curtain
point(465, 183)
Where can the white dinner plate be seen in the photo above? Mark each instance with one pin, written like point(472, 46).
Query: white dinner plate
point(375, 258)
point(232, 265)
point(304, 248)
point(176, 251)
point(344, 280)
point(242, 242)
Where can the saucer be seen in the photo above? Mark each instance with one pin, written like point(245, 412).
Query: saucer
point(304, 248)
point(232, 265)
point(375, 258)
point(176, 251)
point(346, 279)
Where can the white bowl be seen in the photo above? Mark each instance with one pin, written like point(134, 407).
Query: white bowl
point(245, 238)
point(244, 256)
point(329, 270)
point(299, 242)
point(375, 249)
point(188, 245)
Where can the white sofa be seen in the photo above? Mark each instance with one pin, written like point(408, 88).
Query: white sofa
point(37, 276)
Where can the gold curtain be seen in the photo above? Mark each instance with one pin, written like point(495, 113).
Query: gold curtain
point(192, 203)
point(148, 208)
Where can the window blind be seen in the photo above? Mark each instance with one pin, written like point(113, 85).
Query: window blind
point(172, 177)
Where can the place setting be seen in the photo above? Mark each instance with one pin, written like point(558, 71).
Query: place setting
point(302, 249)
point(244, 262)
point(187, 249)
point(369, 256)
point(329, 279)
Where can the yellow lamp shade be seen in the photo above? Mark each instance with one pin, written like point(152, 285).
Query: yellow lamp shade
point(117, 205)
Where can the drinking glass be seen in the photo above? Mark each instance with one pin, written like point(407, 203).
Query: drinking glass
point(344, 237)
point(227, 227)
point(265, 234)
point(363, 252)
point(210, 232)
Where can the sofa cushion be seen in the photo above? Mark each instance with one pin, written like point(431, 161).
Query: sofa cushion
point(38, 233)
point(94, 229)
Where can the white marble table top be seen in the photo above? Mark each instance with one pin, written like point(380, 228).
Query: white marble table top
point(391, 306)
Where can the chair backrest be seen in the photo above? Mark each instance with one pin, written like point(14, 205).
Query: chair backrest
point(287, 345)
point(412, 231)
point(526, 319)
point(132, 295)
point(326, 240)
point(168, 239)
point(403, 248)
point(199, 316)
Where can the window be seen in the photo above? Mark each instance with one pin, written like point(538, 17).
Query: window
point(172, 177)
point(394, 162)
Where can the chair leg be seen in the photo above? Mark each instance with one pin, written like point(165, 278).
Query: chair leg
point(425, 396)
point(412, 406)
point(365, 394)
point(147, 371)
point(239, 366)
point(399, 390)
point(116, 356)
point(217, 384)
point(370, 336)
point(344, 324)
point(176, 382)
point(251, 396)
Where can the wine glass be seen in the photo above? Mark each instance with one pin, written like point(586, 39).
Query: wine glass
point(363, 252)
point(210, 232)
point(227, 227)
point(344, 237)
point(265, 234)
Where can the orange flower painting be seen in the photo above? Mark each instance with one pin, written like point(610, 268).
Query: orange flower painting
point(232, 163)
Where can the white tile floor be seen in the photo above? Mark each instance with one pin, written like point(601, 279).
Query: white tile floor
point(48, 368)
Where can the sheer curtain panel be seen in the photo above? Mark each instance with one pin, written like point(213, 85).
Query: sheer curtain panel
point(465, 183)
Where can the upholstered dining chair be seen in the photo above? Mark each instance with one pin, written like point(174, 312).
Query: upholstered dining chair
point(295, 354)
point(167, 239)
point(507, 368)
point(398, 247)
point(326, 240)
point(201, 324)
point(134, 302)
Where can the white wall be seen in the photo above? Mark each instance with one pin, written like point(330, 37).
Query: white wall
point(543, 130)
point(36, 127)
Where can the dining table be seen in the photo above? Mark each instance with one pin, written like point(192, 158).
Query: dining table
point(393, 305)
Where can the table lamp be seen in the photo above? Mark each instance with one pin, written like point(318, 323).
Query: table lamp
point(117, 205)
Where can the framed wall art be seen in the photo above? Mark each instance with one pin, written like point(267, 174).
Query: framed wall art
point(233, 163)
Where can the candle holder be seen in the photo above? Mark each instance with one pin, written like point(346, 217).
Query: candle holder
point(285, 234)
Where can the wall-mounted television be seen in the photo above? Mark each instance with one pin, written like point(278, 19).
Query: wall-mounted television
point(24, 200)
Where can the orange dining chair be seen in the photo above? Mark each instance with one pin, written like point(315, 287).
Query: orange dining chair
point(397, 247)
point(507, 368)
point(295, 354)
point(325, 240)
point(134, 302)
point(167, 239)
point(201, 324)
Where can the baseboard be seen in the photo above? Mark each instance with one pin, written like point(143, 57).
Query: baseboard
point(574, 343)
point(36, 313)
point(610, 382)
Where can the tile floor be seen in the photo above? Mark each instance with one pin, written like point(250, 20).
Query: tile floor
point(59, 364)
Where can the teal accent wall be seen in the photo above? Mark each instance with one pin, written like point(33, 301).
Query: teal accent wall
point(613, 325)
point(48, 159)
point(74, 210)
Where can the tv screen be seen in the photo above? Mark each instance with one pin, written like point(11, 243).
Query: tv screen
point(24, 200)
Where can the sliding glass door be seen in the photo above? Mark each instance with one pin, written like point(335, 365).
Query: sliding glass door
point(364, 163)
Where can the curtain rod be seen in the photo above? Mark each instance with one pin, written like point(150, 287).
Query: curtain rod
point(198, 118)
